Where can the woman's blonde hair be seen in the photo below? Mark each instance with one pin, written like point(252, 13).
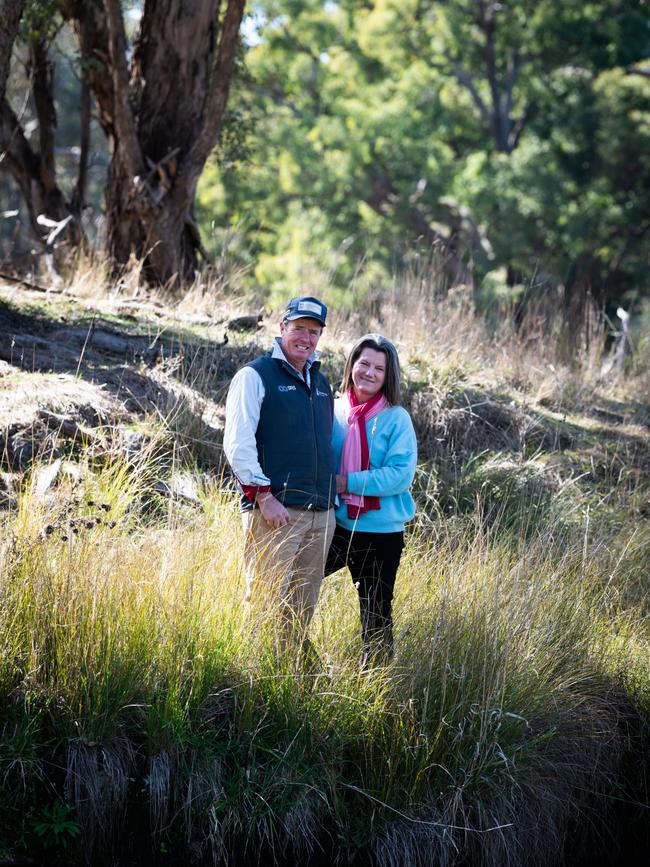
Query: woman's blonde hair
point(391, 387)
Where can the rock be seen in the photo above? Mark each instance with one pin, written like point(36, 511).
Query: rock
point(24, 445)
point(246, 323)
point(181, 486)
point(133, 442)
point(184, 485)
point(66, 427)
point(73, 471)
point(107, 342)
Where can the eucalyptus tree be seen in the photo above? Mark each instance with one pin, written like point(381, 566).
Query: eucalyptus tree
point(32, 164)
point(10, 15)
point(161, 100)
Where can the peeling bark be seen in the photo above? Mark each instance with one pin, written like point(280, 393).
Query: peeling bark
point(10, 14)
point(163, 115)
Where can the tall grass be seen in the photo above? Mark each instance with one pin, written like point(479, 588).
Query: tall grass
point(136, 689)
point(144, 706)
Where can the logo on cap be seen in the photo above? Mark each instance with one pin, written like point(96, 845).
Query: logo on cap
point(309, 307)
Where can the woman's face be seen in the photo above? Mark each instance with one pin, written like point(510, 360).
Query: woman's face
point(368, 373)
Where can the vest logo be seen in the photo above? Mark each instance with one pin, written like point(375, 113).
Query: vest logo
point(320, 393)
point(286, 388)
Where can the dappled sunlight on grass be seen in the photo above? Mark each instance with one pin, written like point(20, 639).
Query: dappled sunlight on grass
point(141, 699)
point(134, 640)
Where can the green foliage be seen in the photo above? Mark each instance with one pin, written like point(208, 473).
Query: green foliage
point(55, 826)
point(125, 658)
point(511, 127)
point(360, 134)
point(40, 21)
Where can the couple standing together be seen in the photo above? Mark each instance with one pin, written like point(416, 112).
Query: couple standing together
point(324, 483)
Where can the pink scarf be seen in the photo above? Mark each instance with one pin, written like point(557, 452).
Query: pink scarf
point(356, 454)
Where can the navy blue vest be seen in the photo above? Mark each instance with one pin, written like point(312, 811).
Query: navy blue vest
point(294, 435)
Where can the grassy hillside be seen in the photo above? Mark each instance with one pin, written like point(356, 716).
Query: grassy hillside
point(146, 717)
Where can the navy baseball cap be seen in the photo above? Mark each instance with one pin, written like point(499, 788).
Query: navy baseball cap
point(309, 307)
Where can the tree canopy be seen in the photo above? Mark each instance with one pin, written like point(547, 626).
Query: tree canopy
point(513, 137)
point(507, 141)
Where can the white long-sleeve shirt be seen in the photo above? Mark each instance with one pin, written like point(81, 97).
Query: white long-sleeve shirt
point(243, 407)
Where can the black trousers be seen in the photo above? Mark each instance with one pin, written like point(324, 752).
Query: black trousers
point(373, 560)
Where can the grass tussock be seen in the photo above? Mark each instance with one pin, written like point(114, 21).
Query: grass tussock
point(137, 692)
point(147, 716)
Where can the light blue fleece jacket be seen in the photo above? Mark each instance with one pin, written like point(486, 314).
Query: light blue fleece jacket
point(393, 457)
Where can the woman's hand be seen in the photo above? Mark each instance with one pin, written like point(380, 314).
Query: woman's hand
point(341, 483)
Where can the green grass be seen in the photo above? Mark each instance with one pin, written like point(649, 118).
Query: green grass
point(142, 705)
point(136, 690)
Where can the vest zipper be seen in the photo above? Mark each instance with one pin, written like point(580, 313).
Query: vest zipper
point(313, 430)
point(310, 393)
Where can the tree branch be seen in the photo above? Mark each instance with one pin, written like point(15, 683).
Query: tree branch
point(20, 157)
point(41, 198)
point(509, 86)
point(44, 101)
point(385, 195)
point(516, 130)
point(312, 87)
point(217, 98)
point(466, 80)
point(628, 243)
point(124, 122)
point(638, 70)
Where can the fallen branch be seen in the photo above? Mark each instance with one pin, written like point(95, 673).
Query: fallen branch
point(69, 429)
point(35, 286)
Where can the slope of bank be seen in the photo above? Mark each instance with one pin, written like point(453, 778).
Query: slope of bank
point(145, 720)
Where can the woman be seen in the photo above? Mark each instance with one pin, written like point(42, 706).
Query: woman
point(376, 450)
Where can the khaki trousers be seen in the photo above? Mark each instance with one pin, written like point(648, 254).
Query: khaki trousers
point(285, 566)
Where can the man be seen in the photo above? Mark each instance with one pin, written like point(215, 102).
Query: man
point(277, 440)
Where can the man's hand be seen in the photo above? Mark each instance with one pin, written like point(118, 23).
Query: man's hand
point(341, 483)
point(272, 510)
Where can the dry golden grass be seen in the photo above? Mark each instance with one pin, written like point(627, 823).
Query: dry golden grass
point(139, 695)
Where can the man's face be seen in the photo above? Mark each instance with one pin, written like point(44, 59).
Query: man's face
point(299, 339)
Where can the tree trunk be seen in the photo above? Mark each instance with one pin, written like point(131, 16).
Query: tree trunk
point(32, 176)
point(582, 291)
point(10, 15)
point(40, 191)
point(79, 195)
point(88, 20)
point(163, 115)
point(33, 172)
